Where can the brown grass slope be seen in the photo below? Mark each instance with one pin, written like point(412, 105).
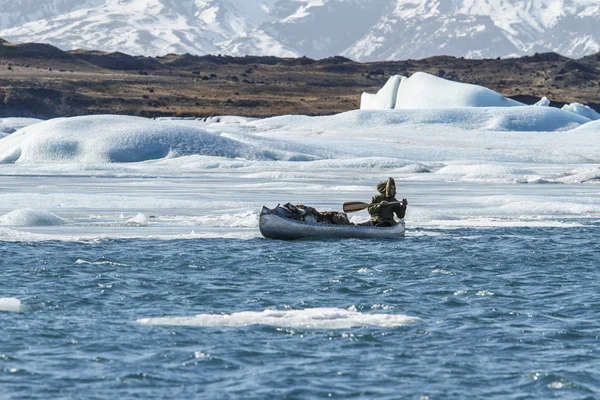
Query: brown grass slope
point(40, 80)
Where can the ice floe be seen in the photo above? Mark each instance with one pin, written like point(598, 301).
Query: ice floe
point(315, 318)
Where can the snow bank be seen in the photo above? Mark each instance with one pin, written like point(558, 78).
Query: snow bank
point(423, 90)
point(112, 138)
point(220, 119)
point(385, 99)
point(316, 318)
point(30, 217)
point(583, 110)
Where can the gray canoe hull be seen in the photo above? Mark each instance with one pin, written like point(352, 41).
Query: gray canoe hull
point(275, 227)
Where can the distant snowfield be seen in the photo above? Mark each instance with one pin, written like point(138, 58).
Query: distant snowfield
point(94, 177)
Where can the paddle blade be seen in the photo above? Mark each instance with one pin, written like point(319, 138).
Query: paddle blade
point(354, 206)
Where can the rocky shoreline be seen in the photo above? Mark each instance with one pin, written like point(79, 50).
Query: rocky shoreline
point(42, 81)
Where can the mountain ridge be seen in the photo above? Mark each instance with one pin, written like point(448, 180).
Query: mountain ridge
point(42, 81)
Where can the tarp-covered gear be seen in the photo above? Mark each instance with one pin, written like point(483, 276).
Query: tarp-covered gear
point(383, 214)
point(311, 215)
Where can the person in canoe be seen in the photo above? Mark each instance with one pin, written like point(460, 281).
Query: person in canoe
point(384, 205)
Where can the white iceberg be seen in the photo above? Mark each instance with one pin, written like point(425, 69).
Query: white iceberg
point(426, 91)
point(423, 90)
point(385, 99)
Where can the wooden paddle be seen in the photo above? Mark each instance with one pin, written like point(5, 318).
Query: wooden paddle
point(355, 206)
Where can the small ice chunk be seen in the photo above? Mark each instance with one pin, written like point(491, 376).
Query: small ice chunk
point(544, 102)
point(10, 304)
point(138, 220)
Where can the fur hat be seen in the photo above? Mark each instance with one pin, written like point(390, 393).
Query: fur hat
point(387, 188)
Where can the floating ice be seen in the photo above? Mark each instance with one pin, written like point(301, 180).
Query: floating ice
point(30, 217)
point(213, 175)
point(10, 304)
point(315, 318)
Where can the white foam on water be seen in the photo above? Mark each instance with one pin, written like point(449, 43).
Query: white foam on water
point(11, 304)
point(314, 318)
point(111, 263)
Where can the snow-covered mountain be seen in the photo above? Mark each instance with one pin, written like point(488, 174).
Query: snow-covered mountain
point(18, 12)
point(364, 30)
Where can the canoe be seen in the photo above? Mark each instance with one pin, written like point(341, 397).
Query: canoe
point(273, 226)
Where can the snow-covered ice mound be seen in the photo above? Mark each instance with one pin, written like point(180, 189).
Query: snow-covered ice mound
point(583, 110)
point(30, 217)
point(113, 138)
point(590, 127)
point(316, 318)
point(378, 123)
point(10, 125)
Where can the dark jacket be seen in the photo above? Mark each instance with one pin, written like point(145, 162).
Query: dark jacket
point(385, 213)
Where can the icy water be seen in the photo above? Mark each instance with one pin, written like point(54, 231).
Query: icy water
point(506, 313)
